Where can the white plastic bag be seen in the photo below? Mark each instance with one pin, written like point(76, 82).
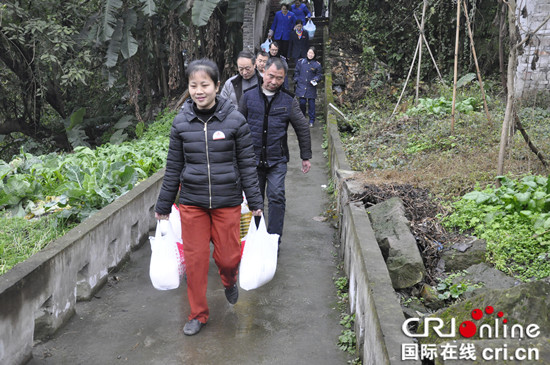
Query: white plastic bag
point(164, 267)
point(265, 46)
point(175, 221)
point(259, 260)
point(310, 28)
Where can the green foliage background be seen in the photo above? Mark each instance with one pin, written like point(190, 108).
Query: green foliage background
point(42, 197)
point(387, 34)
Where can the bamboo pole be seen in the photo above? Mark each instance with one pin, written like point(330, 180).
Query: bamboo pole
point(420, 51)
point(429, 50)
point(408, 77)
point(476, 63)
point(455, 66)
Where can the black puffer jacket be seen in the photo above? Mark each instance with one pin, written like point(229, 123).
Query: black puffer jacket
point(212, 163)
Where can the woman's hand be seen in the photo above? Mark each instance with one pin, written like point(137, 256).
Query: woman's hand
point(257, 213)
point(161, 216)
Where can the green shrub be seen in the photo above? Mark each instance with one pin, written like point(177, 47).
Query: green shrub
point(514, 219)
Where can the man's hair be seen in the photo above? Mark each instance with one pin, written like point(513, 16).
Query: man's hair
point(279, 64)
point(284, 5)
point(274, 44)
point(247, 54)
point(262, 53)
point(205, 65)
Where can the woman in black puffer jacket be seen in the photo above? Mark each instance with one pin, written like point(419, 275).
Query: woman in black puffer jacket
point(211, 161)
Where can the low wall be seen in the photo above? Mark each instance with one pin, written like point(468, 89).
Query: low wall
point(378, 314)
point(39, 295)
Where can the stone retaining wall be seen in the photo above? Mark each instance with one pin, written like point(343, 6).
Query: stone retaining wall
point(378, 314)
point(39, 295)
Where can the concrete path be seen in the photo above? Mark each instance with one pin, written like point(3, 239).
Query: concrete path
point(290, 320)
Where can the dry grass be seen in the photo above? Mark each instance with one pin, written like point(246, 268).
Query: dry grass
point(447, 172)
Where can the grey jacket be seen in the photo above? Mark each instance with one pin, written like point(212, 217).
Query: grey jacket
point(235, 86)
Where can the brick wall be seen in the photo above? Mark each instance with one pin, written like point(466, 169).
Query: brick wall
point(255, 17)
point(533, 72)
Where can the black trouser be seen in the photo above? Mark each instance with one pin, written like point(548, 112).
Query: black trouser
point(318, 4)
point(283, 47)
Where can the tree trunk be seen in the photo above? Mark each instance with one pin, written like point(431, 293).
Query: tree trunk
point(501, 36)
point(511, 73)
point(455, 73)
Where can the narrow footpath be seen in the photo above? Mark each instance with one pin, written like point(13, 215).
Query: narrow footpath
point(290, 320)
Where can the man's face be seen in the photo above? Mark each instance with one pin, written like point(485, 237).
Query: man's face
point(284, 9)
point(273, 50)
point(246, 68)
point(273, 78)
point(260, 62)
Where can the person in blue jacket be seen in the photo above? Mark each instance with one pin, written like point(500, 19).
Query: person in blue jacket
point(283, 25)
point(307, 75)
point(299, 43)
point(301, 11)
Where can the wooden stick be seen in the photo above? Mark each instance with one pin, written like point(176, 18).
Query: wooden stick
point(429, 50)
point(476, 63)
point(528, 140)
point(455, 66)
point(420, 51)
point(408, 76)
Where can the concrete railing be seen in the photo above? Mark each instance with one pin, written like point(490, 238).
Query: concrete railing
point(378, 314)
point(39, 295)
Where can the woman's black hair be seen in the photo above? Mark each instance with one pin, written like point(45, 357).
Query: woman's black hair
point(299, 21)
point(207, 66)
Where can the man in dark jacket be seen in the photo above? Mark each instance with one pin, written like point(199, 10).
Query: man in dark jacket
point(269, 109)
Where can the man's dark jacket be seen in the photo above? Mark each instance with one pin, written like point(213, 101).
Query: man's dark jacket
point(269, 124)
point(212, 161)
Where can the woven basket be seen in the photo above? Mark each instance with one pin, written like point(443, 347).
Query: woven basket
point(245, 223)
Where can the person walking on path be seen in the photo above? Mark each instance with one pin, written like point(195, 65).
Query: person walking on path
point(269, 109)
point(246, 78)
point(274, 51)
point(210, 162)
point(283, 24)
point(307, 74)
point(301, 11)
point(299, 43)
point(261, 59)
point(318, 8)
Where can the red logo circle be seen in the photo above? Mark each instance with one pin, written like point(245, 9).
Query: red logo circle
point(477, 314)
point(467, 328)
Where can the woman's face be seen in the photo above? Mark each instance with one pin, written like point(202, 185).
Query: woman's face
point(202, 89)
point(310, 54)
point(299, 27)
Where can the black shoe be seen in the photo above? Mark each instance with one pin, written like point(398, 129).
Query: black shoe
point(193, 327)
point(232, 294)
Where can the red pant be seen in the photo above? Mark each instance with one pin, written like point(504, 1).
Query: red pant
point(199, 226)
